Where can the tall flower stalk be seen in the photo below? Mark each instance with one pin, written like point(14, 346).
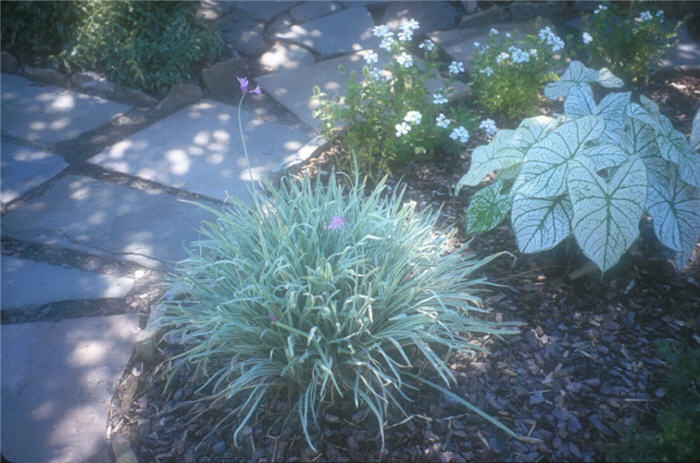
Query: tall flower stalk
point(245, 89)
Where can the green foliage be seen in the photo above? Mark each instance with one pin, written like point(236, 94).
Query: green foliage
point(673, 435)
point(142, 44)
point(509, 72)
point(373, 110)
point(34, 29)
point(629, 39)
point(591, 172)
point(148, 45)
point(319, 292)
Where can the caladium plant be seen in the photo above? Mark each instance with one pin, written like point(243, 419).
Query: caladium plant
point(592, 172)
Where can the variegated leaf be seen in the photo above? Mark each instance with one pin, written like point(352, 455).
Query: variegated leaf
point(606, 155)
point(606, 214)
point(488, 158)
point(540, 224)
point(695, 133)
point(575, 75)
point(675, 208)
point(608, 80)
point(612, 107)
point(545, 166)
point(487, 208)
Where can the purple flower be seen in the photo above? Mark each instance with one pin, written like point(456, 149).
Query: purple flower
point(243, 81)
point(272, 317)
point(336, 222)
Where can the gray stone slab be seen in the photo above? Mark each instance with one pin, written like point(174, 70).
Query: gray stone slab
point(459, 43)
point(199, 149)
point(264, 10)
point(26, 283)
point(307, 11)
point(294, 88)
point(48, 114)
point(687, 52)
point(340, 33)
point(285, 56)
point(24, 168)
point(432, 16)
point(57, 382)
point(107, 219)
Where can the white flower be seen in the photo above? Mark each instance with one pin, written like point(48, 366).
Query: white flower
point(533, 52)
point(600, 8)
point(477, 44)
point(550, 38)
point(441, 121)
point(456, 67)
point(460, 133)
point(381, 31)
point(375, 74)
point(493, 31)
point(387, 41)
point(487, 70)
point(439, 98)
point(413, 117)
point(402, 129)
point(371, 58)
point(488, 126)
point(587, 38)
point(406, 30)
point(428, 45)
point(404, 59)
point(502, 57)
point(518, 55)
point(659, 13)
point(508, 35)
point(645, 16)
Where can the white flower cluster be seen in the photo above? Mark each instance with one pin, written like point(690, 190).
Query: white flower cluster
point(600, 8)
point(521, 56)
point(386, 35)
point(587, 38)
point(371, 58)
point(493, 31)
point(502, 57)
point(551, 39)
point(411, 117)
point(404, 59)
point(488, 126)
point(406, 29)
point(427, 44)
point(439, 98)
point(456, 67)
point(488, 71)
point(645, 16)
point(442, 121)
point(460, 133)
point(477, 44)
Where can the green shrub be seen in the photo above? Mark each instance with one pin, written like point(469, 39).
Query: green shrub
point(319, 292)
point(34, 29)
point(591, 172)
point(673, 435)
point(148, 45)
point(391, 115)
point(628, 41)
point(509, 73)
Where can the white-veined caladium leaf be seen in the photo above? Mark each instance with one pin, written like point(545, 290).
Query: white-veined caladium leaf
point(488, 158)
point(545, 166)
point(540, 224)
point(695, 133)
point(612, 107)
point(579, 75)
point(488, 208)
point(675, 208)
point(672, 144)
point(606, 214)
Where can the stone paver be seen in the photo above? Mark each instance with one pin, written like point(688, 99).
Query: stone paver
point(107, 219)
point(285, 56)
point(23, 168)
point(293, 88)
point(307, 11)
point(57, 382)
point(343, 32)
point(432, 16)
point(48, 114)
point(26, 283)
point(459, 43)
point(199, 149)
point(263, 10)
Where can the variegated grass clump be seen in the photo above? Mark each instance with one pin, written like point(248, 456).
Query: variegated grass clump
point(318, 292)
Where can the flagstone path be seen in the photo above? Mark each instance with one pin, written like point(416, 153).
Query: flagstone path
point(93, 217)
